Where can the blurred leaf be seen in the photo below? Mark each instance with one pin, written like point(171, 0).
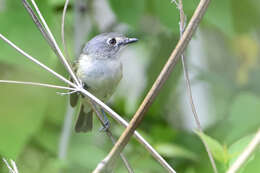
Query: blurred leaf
point(245, 23)
point(237, 148)
point(17, 26)
point(48, 139)
point(244, 116)
point(171, 150)
point(218, 151)
point(246, 47)
point(21, 114)
point(167, 13)
point(128, 11)
point(85, 152)
point(33, 159)
point(160, 53)
point(219, 14)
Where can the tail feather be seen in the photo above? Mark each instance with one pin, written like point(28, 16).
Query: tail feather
point(84, 122)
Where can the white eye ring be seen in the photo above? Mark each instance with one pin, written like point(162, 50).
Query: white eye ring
point(112, 41)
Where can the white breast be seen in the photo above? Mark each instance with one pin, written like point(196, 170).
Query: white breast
point(100, 75)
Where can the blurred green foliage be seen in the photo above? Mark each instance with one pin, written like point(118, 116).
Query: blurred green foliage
point(31, 118)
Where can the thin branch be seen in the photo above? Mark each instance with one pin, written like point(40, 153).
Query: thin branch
point(241, 160)
point(12, 168)
point(62, 28)
point(62, 58)
point(37, 84)
point(108, 162)
point(188, 86)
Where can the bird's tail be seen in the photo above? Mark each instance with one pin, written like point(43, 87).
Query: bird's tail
point(85, 121)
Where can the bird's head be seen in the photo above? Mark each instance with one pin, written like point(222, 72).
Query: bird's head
point(107, 45)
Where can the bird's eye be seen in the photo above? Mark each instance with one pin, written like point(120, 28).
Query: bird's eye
point(112, 41)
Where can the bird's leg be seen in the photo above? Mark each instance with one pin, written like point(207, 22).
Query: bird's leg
point(106, 121)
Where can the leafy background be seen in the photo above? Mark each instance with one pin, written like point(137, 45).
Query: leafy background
point(227, 45)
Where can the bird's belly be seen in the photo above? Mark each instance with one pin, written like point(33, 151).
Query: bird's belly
point(101, 79)
point(102, 86)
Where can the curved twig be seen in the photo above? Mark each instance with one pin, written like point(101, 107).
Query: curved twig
point(188, 86)
point(62, 29)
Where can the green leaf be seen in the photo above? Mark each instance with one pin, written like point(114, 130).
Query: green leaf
point(219, 14)
point(171, 150)
point(128, 11)
point(218, 151)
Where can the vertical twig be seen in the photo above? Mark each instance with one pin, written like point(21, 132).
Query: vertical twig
point(67, 124)
point(245, 154)
point(109, 161)
point(182, 24)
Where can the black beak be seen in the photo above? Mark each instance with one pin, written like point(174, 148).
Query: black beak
point(130, 40)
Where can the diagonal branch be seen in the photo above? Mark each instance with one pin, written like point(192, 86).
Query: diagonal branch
point(12, 168)
point(188, 86)
point(252, 146)
point(109, 161)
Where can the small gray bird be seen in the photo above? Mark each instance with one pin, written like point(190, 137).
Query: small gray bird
point(100, 70)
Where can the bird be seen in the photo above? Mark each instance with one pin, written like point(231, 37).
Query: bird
point(99, 69)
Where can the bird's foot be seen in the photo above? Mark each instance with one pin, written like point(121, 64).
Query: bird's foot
point(105, 127)
point(106, 122)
